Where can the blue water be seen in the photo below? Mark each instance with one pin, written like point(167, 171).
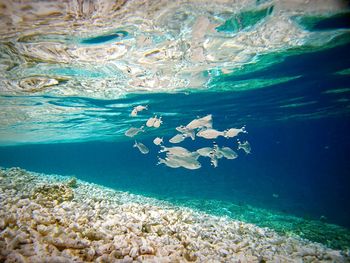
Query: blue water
point(104, 38)
point(304, 162)
point(298, 130)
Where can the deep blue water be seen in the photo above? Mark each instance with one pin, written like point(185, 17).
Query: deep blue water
point(298, 130)
point(304, 162)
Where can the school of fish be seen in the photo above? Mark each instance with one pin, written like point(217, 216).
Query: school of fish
point(176, 156)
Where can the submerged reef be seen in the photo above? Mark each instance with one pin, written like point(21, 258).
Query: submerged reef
point(96, 224)
point(331, 235)
point(49, 195)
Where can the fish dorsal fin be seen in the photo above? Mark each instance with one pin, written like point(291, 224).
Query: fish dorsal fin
point(162, 149)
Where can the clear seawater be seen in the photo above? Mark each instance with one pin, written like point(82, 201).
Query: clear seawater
point(296, 108)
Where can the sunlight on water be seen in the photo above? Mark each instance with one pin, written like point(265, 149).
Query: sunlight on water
point(103, 51)
point(107, 50)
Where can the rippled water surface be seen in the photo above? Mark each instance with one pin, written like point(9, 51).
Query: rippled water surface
point(72, 71)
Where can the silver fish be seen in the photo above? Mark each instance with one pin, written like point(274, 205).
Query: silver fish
point(186, 162)
point(134, 131)
point(157, 122)
point(177, 138)
point(175, 150)
point(234, 132)
point(245, 146)
point(176, 161)
point(141, 108)
point(204, 151)
point(213, 159)
point(187, 132)
point(210, 133)
point(150, 121)
point(158, 141)
point(169, 163)
point(190, 155)
point(228, 153)
point(200, 122)
point(133, 113)
point(142, 148)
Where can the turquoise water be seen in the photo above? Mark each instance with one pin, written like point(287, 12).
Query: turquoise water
point(294, 102)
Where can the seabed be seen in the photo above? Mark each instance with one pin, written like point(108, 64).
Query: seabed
point(51, 218)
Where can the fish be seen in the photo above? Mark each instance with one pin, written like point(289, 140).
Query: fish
point(150, 121)
point(180, 151)
point(158, 141)
point(169, 163)
point(133, 113)
point(210, 133)
point(245, 146)
point(190, 155)
point(234, 132)
point(204, 151)
point(176, 161)
point(200, 123)
point(181, 129)
point(186, 162)
point(228, 153)
point(138, 109)
point(177, 138)
point(157, 122)
point(141, 108)
point(142, 148)
point(187, 132)
point(213, 160)
point(180, 157)
point(212, 153)
point(134, 131)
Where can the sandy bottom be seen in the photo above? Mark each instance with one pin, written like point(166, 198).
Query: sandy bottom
point(49, 218)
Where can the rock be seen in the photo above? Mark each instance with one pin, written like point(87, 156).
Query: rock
point(146, 250)
point(62, 243)
point(224, 252)
point(47, 194)
point(15, 257)
point(134, 252)
point(101, 225)
point(91, 234)
point(2, 224)
point(127, 259)
point(190, 256)
point(72, 182)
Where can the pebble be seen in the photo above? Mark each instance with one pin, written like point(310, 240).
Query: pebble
point(131, 228)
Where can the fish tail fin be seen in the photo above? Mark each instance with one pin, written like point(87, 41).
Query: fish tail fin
point(192, 135)
point(160, 160)
point(135, 144)
point(162, 149)
point(225, 134)
point(243, 129)
point(207, 118)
